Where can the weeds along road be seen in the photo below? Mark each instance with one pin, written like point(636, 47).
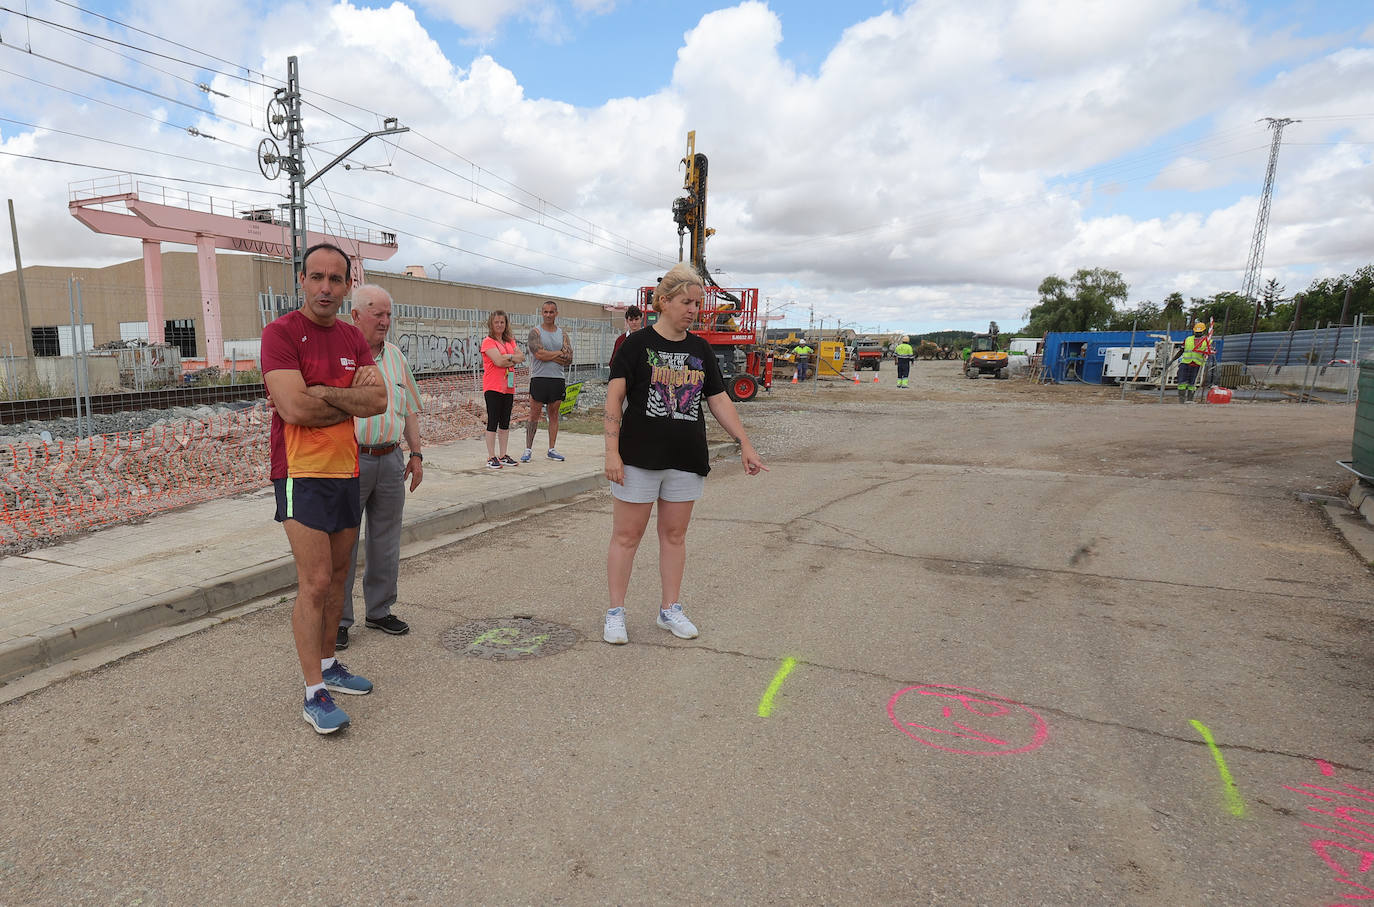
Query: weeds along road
point(1023, 645)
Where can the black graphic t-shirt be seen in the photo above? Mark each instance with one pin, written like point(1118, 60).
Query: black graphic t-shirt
point(666, 386)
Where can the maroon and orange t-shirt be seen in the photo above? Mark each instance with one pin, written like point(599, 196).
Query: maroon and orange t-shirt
point(322, 355)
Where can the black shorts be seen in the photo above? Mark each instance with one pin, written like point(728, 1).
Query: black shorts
point(547, 390)
point(328, 505)
point(1187, 373)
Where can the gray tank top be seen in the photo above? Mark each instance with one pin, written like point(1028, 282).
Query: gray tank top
point(552, 340)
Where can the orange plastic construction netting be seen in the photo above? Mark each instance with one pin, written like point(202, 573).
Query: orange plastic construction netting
point(56, 488)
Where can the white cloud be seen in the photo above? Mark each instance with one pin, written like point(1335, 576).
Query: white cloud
point(482, 16)
point(940, 161)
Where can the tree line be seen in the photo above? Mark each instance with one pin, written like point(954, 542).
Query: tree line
point(1095, 300)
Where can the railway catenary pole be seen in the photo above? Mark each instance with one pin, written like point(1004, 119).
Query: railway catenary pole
point(23, 298)
point(284, 111)
point(1345, 310)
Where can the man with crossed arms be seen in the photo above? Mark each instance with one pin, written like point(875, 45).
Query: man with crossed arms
point(319, 374)
point(551, 353)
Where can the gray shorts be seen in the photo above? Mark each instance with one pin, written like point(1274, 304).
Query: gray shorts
point(644, 486)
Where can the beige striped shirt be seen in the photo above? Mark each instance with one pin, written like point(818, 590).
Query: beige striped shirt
point(403, 399)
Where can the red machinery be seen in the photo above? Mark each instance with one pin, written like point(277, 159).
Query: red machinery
point(729, 318)
point(728, 321)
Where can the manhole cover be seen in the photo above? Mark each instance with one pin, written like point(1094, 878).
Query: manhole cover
point(507, 638)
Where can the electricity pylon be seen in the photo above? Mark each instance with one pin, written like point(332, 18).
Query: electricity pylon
point(1256, 260)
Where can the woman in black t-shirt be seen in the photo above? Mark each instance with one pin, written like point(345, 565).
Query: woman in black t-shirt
point(656, 444)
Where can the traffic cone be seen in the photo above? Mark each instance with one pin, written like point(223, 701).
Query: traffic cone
point(875, 378)
point(856, 377)
point(794, 377)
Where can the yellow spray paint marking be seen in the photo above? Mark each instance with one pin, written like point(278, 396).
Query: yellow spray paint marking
point(1233, 801)
point(766, 703)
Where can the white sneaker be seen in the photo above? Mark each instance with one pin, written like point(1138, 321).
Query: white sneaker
point(675, 621)
point(615, 627)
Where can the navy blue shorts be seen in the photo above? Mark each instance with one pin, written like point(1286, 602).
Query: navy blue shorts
point(328, 505)
point(1187, 374)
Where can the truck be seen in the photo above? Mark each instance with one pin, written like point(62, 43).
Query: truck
point(867, 354)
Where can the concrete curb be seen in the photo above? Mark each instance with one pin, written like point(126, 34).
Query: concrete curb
point(62, 643)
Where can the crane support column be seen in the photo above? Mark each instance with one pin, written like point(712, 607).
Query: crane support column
point(152, 290)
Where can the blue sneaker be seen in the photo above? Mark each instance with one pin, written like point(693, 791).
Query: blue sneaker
point(341, 680)
point(555, 455)
point(323, 715)
point(525, 457)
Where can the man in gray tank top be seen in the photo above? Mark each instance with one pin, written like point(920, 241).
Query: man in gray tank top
point(550, 354)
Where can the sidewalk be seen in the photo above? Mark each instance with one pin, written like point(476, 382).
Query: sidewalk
point(111, 585)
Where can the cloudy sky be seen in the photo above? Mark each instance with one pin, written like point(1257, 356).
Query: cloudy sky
point(911, 165)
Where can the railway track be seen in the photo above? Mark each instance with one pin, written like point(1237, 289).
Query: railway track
point(13, 412)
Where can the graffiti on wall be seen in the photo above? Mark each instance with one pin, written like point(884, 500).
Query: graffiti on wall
point(431, 352)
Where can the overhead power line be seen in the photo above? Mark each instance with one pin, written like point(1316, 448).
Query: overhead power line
point(543, 210)
point(263, 79)
point(457, 229)
point(165, 40)
point(141, 148)
point(513, 264)
point(161, 176)
point(189, 130)
point(132, 87)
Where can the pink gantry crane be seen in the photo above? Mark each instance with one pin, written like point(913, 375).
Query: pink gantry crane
point(156, 214)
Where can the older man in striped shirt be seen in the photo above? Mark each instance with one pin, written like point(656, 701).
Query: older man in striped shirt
point(383, 468)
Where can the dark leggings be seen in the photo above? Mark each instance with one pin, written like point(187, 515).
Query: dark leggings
point(498, 410)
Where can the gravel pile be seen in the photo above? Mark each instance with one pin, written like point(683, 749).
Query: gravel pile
point(119, 423)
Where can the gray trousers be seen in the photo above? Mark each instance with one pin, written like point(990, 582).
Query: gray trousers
point(381, 483)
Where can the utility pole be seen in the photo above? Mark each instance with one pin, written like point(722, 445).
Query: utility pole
point(284, 122)
point(24, 299)
point(1256, 257)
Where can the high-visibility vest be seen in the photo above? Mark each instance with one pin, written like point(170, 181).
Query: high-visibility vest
point(904, 351)
point(1195, 349)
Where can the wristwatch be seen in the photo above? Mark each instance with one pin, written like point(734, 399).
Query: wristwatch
point(417, 455)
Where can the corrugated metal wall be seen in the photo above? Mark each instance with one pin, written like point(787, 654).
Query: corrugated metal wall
point(1283, 348)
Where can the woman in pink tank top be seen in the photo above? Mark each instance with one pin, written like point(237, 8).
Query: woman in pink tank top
point(500, 356)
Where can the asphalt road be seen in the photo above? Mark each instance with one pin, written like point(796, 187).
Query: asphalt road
point(1012, 622)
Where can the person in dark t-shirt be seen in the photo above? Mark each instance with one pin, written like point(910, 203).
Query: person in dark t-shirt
point(663, 378)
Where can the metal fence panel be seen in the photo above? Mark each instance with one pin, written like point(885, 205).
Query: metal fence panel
point(1297, 347)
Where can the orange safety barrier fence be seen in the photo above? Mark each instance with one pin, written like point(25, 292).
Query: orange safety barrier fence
point(48, 490)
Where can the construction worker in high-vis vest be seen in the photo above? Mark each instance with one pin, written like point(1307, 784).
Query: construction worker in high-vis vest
point(1193, 355)
point(802, 353)
point(904, 354)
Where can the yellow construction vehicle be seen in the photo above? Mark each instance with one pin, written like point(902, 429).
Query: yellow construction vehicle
point(984, 356)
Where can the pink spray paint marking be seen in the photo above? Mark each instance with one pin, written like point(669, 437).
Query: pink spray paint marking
point(979, 723)
point(1350, 863)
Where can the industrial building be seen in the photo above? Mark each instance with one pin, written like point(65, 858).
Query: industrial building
point(253, 289)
